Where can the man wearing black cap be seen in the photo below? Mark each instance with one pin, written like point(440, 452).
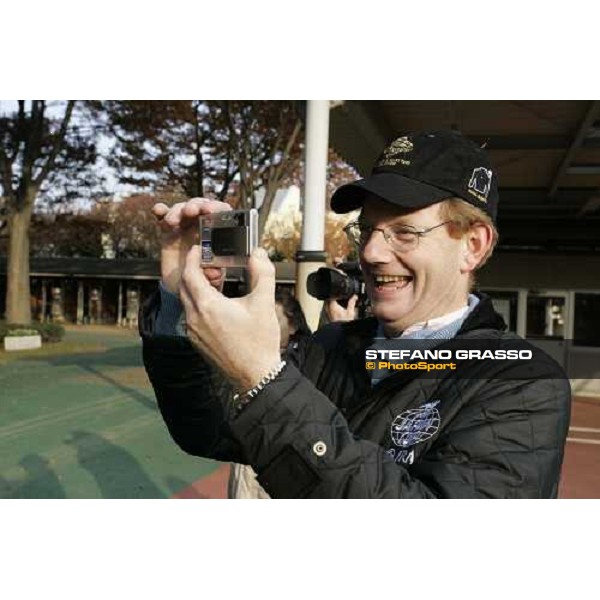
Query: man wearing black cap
point(323, 425)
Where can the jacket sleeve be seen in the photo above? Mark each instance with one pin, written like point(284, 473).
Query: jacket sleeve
point(192, 395)
point(300, 445)
point(507, 441)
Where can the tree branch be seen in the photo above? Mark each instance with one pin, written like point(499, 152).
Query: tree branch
point(275, 176)
point(6, 174)
point(57, 146)
point(226, 183)
point(31, 138)
point(199, 167)
point(19, 131)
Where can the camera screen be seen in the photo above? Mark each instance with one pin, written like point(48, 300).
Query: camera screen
point(229, 241)
point(227, 238)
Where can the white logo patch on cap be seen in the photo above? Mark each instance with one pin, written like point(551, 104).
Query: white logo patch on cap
point(480, 183)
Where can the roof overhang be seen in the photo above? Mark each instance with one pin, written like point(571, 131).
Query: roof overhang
point(546, 153)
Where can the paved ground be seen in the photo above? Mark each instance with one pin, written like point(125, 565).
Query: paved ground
point(581, 469)
point(86, 426)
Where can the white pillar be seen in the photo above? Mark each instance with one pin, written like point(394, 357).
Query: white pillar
point(311, 255)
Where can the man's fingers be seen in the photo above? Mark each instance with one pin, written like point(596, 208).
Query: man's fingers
point(332, 308)
point(336, 312)
point(332, 304)
point(262, 274)
point(193, 207)
point(184, 215)
point(215, 276)
point(173, 217)
point(352, 304)
point(193, 277)
point(159, 210)
point(202, 206)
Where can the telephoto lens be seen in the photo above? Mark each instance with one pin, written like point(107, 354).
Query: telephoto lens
point(327, 283)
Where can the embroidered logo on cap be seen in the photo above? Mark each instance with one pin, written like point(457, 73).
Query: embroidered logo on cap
point(480, 183)
point(395, 153)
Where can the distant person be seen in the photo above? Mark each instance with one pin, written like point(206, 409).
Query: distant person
point(292, 322)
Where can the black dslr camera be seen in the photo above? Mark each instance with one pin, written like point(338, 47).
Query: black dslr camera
point(339, 284)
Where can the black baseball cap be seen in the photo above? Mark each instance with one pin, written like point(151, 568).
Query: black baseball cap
point(425, 167)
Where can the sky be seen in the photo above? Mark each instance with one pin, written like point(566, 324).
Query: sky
point(56, 108)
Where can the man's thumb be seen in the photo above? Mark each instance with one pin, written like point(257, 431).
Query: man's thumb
point(262, 274)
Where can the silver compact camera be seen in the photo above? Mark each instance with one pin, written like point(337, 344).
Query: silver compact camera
point(228, 238)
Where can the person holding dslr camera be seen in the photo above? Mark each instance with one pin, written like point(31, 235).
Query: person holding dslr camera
point(318, 424)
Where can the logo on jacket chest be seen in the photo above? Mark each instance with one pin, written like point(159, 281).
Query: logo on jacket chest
point(411, 427)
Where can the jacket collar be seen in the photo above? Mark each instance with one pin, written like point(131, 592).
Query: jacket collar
point(483, 316)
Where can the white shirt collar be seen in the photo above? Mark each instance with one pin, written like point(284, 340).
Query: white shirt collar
point(437, 322)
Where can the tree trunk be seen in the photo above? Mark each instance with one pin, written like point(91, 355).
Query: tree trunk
point(276, 175)
point(265, 210)
point(18, 294)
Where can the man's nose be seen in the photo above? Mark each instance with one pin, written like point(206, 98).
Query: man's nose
point(376, 249)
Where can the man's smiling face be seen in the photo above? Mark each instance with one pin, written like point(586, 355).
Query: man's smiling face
point(415, 285)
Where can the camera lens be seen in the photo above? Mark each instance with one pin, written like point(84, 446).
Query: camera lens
point(328, 283)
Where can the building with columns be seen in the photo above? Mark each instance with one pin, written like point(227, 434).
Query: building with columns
point(103, 291)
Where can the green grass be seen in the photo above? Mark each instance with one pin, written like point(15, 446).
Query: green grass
point(78, 419)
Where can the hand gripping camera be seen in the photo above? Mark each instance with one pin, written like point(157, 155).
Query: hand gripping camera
point(339, 284)
point(228, 238)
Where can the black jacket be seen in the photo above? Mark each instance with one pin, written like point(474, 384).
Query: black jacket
point(320, 431)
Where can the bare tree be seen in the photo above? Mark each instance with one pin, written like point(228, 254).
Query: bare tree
point(37, 147)
point(236, 151)
point(264, 138)
point(167, 143)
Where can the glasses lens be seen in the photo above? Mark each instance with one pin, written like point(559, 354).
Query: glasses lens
point(403, 239)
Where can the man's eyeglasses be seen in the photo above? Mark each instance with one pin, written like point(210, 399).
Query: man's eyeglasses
point(401, 238)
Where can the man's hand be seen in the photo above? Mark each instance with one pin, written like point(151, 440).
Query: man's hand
point(179, 231)
point(239, 335)
point(336, 312)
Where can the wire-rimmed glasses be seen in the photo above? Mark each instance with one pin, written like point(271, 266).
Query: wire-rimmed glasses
point(401, 238)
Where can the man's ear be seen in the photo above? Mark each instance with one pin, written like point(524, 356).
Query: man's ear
point(476, 244)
